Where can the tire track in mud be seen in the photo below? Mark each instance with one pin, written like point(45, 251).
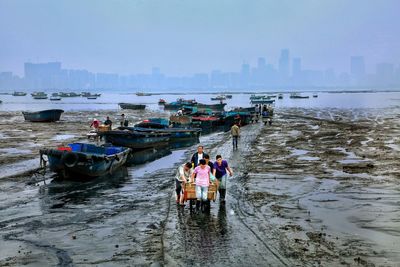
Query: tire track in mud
point(64, 260)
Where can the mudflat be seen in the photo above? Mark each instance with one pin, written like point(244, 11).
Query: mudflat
point(317, 187)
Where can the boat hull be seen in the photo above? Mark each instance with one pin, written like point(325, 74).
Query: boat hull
point(49, 115)
point(76, 165)
point(136, 140)
point(132, 106)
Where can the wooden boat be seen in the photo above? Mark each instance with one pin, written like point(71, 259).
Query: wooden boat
point(39, 95)
point(19, 93)
point(262, 101)
point(143, 94)
point(298, 96)
point(55, 98)
point(132, 106)
point(220, 98)
point(215, 107)
point(71, 94)
point(88, 94)
point(48, 115)
point(85, 160)
point(135, 140)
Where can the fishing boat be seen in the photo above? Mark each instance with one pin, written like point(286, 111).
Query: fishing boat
point(214, 107)
point(220, 98)
point(55, 98)
point(143, 94)
point(280, 96)
point(70, 94)
point(88, 94)
point(297, 96)
point(135, 140)
point(315, 95)
point(91, 97)
point(228, 96)
point(132, 106)
point(262, 101)
point(177, 134)
point(257, 97)
point(78, 160)
point(19, 93)
point(49, 115)
point(39, 95)
point(162, 102)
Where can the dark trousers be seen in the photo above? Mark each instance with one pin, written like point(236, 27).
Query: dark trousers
point(235, 141)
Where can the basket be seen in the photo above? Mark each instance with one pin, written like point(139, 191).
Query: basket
point(104, 128)
point(190, 191)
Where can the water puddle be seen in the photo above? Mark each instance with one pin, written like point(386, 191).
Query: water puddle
point(14, 150)
point(61, 137)
point(20, 167)
point(309, 158)
point(298, 152)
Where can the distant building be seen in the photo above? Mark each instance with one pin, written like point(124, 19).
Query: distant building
point(284, 65)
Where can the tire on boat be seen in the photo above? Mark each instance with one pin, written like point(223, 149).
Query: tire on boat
point(70, 159)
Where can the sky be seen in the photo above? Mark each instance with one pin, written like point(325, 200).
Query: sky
point(183, 37)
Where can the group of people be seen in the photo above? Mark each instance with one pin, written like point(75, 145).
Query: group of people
point(202, 172)
point(96, 123)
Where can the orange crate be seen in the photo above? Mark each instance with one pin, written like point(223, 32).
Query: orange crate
point(190, 191)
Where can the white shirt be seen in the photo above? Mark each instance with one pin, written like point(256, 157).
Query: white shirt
point(199, 157)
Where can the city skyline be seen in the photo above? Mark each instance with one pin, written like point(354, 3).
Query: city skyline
point(288, 72)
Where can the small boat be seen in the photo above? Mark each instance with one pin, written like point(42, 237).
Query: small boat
point(143, 94)
point(262, 101)
point(85, 160)
point(162, 102)
point(91, 97)
point(39, 95)
point(315, 95)
point(280, 96)
point(135, 140)
point(71, 94)
point(220, 98)
point(257, 97)
point(215, 107)
point(19, 93)
point(228, 96)
point(55, 98)
point(298, 96)
point(132, 106)
point(49, 115)
point(88, 94)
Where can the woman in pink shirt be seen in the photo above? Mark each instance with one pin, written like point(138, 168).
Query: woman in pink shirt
point(202, 173)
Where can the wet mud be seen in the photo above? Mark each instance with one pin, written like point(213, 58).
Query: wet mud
point(320, 187)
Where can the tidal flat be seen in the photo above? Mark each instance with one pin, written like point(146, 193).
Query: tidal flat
point(320, 186)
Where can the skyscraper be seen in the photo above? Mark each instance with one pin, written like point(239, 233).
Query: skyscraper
point(284, 64)
point(357, 67)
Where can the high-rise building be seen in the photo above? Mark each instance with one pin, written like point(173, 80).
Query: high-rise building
point(261, 64)
point(42, 75)
point(284, 64)
point(357, 67)
point(296, 68)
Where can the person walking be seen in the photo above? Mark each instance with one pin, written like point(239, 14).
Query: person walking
point(235, 132)
point(202, 173)
point(182, 176)
point(221, 168)
point(199, 155)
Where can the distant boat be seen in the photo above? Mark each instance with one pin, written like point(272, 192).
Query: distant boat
point(132, 106)
point(280, 96)
point(220, 97)
point(314, 95)
point(19, 93)
point(257, 97)
point(39, 95)
point(78, 160)
point(298, 96)
point(92, 97)
point(55, 98)
point(161, 102)
point(71, 94)
point(88, 94)
point(228, 96)
point(49, 115)
point(262, 101)
point(142, 94)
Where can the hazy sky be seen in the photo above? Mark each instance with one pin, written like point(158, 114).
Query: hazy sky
point(187, 36)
